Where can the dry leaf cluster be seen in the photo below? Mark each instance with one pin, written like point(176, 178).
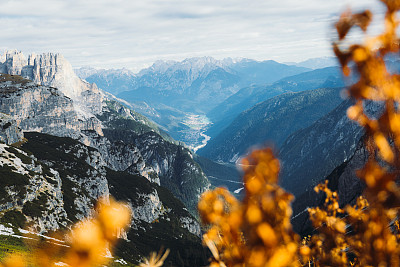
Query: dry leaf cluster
point(256, 231)
point(88, 242)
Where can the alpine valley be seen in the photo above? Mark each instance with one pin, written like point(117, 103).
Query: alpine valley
point(159, 138)
point(65, 143)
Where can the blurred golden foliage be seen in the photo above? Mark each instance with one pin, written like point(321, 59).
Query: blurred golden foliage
point(87, 243)
point(257, 231)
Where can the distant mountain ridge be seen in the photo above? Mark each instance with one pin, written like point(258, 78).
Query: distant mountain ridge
point(170, 91)
point(223, 114)
point(175, 75)
point(203, 82)
point(317, 63)
point(330, 141)
point(271, 121)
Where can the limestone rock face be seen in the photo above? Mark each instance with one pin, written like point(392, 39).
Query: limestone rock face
point(121, 156)
point(151, 208)
point(190, 224)
point(54, 101)
point(38, 187)
point(9, 132)
point(54, 70)
point(172, 164)
point(14, 62)
point(43, 109)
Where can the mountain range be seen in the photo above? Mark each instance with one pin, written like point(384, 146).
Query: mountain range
point(271, 121)
point(61, 144)
point(316, 63)
point(223, 114)
point(168, 92)
point(65, 142)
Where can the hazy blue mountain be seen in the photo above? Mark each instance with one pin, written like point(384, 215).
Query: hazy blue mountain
point(113, 81)
point(271, 121)
point(264, 72)
point(223, 114)
point(316, 63)
point(177, 91)
point(342, 179)
point(199, 84)
point(84, 72)
point(171, 93)
point(310, 154)
point(326, 77)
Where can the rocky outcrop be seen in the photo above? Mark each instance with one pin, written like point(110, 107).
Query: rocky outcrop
point(10, 133)
point(165, 161)
point(173, 164)
point(151, 207)
point(43, 109)
point(32, 189)
point(54, 70)
point(192, 225)
point(121, 156)
point(14, 62)
point(176, 168)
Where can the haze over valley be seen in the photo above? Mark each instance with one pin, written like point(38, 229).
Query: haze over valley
point(161, 137)
point(155, 103)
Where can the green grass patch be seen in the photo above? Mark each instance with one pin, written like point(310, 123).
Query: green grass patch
point(10, 244)
point(14, 79)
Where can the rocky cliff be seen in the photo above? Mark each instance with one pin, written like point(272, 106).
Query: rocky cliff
point(55, 71)
point(80, 110)
point(43, 108)
point(169, 164)
point(49, 182)
point(96, 165)
point(10, 133)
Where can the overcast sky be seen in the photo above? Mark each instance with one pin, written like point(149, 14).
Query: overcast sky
point(133, 33)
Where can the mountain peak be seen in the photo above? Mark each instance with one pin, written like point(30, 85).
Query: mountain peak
point(194, 67)
point(52, 69)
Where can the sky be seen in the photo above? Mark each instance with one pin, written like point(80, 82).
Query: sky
point(133, 34)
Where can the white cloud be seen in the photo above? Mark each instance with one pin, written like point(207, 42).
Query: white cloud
point(132, 33)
